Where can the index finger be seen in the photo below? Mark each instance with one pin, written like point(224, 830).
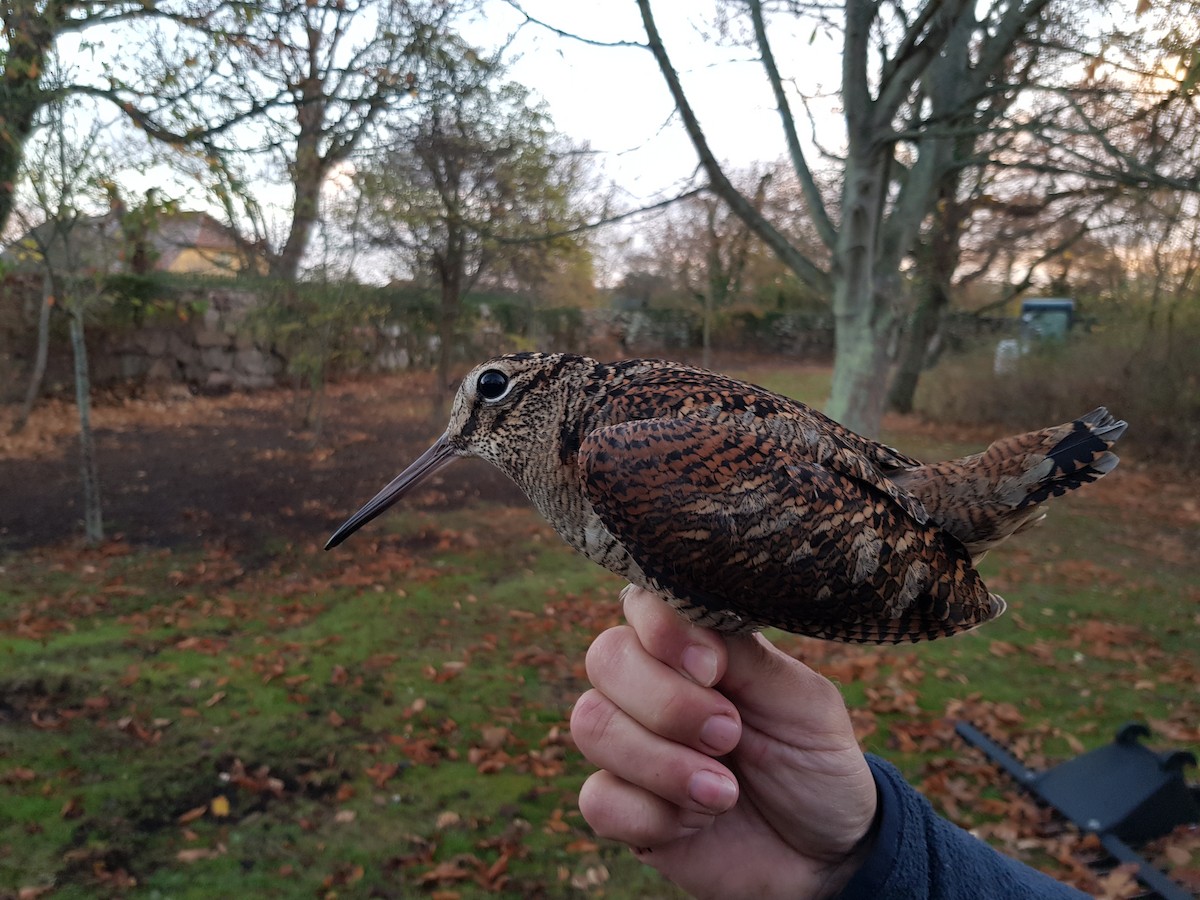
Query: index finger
point(699, 653)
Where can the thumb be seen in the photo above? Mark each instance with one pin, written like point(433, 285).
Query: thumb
point(777, 693)
point(798, 759)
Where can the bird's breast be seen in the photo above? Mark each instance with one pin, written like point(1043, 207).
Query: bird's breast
point(558, 496)
point(599, 545)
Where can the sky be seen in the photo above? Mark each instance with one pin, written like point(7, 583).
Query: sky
point(615, 98)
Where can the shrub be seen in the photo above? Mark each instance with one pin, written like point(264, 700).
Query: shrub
point(1146, 370)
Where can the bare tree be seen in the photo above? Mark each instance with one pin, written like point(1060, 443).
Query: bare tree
point(298, 84)
point(73, 250)
point(476, 182)
point(1053, 174)
point(704, 251)
point(916, 78)
point(1004, 228)
point(325, 75)
point(30, 33)
point(27, 41)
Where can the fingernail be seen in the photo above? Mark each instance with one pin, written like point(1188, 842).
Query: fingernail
point(700, 663)
point(720, 734)
point(712, 791)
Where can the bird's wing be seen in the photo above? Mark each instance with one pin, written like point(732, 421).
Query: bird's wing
point(723, 518)
point(803, 432)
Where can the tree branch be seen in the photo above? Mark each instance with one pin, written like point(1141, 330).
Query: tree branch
point(812, 195)
point(587, 226)
point(1046, 255)
point(193, 135)
point(809, 273)
point(856, 96)
point(997, 47)
point(531, 20)
point(922, 44)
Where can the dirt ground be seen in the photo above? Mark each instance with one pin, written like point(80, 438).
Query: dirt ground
point(229, 470)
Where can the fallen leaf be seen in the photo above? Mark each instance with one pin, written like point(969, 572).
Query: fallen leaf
point(380, 773)
point(494, 736)
point(196, 854)
point(592, 876)
point(555, 824)
point(1002, 649)
point(494, 877)
point(47, 722)
point(1121, 882)
point(192, 814)
point(451, 870)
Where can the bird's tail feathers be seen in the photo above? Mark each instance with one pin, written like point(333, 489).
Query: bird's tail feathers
point(984, 498)
point(1079, 456)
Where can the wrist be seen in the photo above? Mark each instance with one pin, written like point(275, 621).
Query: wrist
point(839, 875)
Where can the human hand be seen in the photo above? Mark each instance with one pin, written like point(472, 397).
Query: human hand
point(726, 764)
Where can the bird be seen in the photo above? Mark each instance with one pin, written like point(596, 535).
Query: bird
point(745, 509)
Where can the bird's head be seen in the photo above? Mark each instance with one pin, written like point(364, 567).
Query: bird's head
point(505, 410)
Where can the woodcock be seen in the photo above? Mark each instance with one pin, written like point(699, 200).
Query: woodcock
point(745, 509)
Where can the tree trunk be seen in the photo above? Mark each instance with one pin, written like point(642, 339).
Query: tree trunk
point(863, 310)
point(38, 374)
point(934, 261)
point(30, 36)
point(314, 409)
point(13, 134)
point(314, 412)
point(93, 524)
point(448, 313)
point(447, 318)
point(860, 371)
point(914, 352)
point(309, 169)
point(286, 266)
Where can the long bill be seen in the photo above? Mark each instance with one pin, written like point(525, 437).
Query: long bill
point(436, 457)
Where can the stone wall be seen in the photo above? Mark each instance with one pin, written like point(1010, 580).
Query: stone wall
point(211, 350)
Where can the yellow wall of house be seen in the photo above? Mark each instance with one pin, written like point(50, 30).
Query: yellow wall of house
point(198, 261)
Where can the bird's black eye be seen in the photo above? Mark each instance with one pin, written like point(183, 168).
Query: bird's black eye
point(492, 384)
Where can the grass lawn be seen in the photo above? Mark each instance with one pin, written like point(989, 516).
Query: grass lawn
point(390, 718)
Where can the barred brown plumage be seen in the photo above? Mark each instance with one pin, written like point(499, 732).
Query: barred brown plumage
point(745, 509)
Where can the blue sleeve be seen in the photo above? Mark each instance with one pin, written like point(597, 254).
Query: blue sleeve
point(918, 855)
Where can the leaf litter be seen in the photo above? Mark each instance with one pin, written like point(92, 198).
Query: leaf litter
point(398, 712)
